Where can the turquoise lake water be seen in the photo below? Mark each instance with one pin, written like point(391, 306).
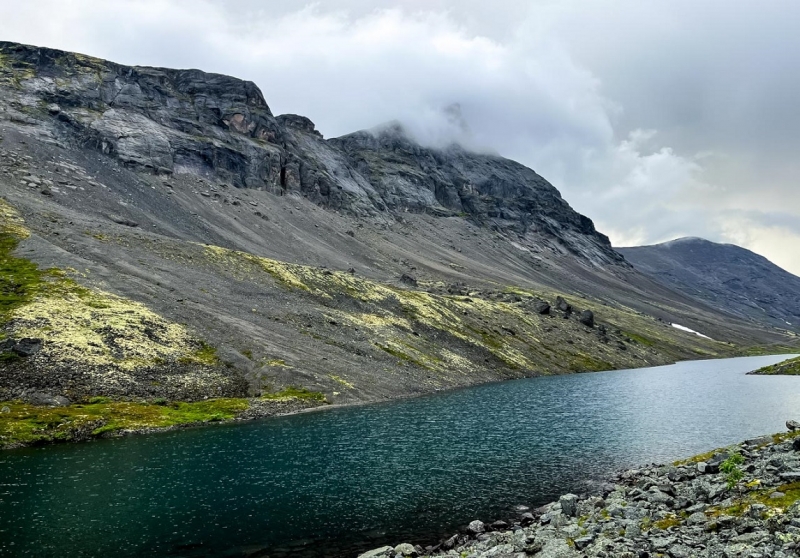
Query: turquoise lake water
point(338, 482)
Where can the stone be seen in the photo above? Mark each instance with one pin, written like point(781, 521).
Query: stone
point(792, 425)
point(407, 279)
point(499, 525)
point(27, 346)
point(476, 527)
point(569, 504)
point(563, 305)
point(378, 552)
point(583, 542)
point(541, 308)
point(118, 219)
point(587, 318)
point(760, 441)
point(526, 519)
point(697, 518)
point(796, 444)
point(680, 551)
point(450, 543)
point(5, 409)
point(46, 399)
point(405, 549)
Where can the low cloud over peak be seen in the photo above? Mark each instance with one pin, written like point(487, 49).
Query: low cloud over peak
point(657, 120)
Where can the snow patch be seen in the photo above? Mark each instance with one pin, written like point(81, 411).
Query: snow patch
point(684, 328)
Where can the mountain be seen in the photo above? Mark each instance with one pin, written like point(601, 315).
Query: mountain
point(726, 276)
point(165, 236)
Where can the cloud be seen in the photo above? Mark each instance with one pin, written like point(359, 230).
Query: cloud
point(657, 119)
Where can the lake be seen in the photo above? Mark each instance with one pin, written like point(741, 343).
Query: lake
point(338, 482)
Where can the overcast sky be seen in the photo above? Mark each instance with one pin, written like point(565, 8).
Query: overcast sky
point(656, 118)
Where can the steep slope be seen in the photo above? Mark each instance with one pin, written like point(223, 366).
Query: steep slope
point(171, 204)
point(726, 276)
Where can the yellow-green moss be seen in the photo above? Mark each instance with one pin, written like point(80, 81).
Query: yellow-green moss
point(80, 325)
point(341, 380)
point(294, 392)
point(791, 494)
point(28, 424)
point(204, 354)
point(586, 363)
point(667, 522)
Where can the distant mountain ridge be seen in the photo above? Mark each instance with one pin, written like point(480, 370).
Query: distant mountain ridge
point(727, 276)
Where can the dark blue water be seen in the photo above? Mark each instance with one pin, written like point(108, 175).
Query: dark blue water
point(343, 480)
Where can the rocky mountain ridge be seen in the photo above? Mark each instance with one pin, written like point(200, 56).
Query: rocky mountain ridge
point(725, 276)
point(190, 122)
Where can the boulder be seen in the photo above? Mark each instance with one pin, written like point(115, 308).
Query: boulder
point(563, 305)
point(587, 318)
point(583, 542)
point(405, 549)
point(569, 504)
point(796, 444)
point(407, 279)
point(46, 399)
point(541, 307)
point(27, 346)
point(476, 527)
point(792, 425)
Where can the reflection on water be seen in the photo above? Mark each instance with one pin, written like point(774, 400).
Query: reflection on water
point(340, 481)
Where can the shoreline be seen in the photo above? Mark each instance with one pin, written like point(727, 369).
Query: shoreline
point(741, 501)
point(257, 409)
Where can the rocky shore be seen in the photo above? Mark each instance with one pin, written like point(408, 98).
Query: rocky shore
point(736, 502)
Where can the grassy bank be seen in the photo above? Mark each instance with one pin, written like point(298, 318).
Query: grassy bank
point(22, 424)
point(789, 367)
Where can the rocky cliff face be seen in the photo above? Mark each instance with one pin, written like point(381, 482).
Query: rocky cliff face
point(726, 276)
point(194, 123)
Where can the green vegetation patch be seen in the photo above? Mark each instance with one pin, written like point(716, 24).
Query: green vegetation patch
point(204, 354)
point(294, 392)
point(84, 326)
point(25, 424)
point(789, 367)
point(667, 522)
point(640, 339)
point(585, 363)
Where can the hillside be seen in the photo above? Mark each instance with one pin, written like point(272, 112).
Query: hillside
point(165, 237)
point(725, 276)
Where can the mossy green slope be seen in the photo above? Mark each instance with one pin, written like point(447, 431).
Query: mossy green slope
point(789, 367)
point(81, 326)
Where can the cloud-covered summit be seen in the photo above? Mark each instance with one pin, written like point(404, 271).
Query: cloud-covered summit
point(658, 119)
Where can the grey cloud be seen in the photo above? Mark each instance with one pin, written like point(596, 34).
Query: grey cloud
point(658, 119)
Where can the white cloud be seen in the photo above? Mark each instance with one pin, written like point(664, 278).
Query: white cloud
point(650, 119)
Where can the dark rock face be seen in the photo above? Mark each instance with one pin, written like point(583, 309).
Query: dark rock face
point(497, 193)
point(728, 277)
point(190, 122)
point(587, 318)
